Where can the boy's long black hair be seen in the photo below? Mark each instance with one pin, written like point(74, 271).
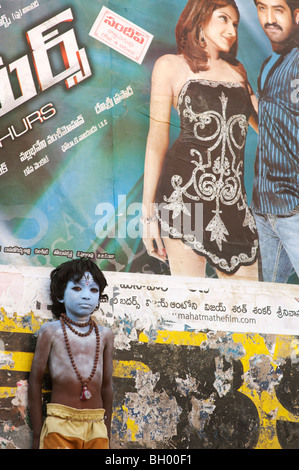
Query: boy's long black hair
point(73, 271)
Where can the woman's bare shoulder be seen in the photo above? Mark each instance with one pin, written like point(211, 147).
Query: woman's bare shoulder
point(239, 69)
point(169, 72)
point(169, 60)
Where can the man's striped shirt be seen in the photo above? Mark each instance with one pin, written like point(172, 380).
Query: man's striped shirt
point(276, 182)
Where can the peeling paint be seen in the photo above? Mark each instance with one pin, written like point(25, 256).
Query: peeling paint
point(224, 378)
point(185, 386)
point(6, 361)
point(19, 323)
point(225, 344)
point(125, 332)
point(294, 355)
point(21, 397)
point(201, 412)
point(263, 376)
point(155, 415)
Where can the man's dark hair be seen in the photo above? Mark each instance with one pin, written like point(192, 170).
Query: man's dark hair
point(292, 4)
point(73, 271)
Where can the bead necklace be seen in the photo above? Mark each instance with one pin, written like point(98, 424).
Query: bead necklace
point(64, 320)
point(70, 322)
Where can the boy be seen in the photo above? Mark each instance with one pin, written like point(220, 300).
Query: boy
point(79, 357)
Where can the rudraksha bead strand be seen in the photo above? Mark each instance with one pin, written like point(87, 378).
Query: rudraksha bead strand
point(86, 395)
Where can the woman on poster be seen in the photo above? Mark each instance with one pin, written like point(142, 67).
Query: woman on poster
point(194, 196)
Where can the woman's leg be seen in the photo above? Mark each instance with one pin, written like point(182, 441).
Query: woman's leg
point(183, 260)
point(244, 273)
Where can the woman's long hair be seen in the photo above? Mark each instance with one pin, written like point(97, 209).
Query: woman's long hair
point(195, 15)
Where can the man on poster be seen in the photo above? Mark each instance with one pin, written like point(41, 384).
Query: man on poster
point(275, 198)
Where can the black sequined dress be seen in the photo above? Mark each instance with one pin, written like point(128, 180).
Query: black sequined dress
point(201, 196)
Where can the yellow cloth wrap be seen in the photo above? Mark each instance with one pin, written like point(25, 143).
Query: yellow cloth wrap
point(72, 428)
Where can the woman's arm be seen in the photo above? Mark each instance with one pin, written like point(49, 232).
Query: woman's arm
point(253, 120)
point(156, 148)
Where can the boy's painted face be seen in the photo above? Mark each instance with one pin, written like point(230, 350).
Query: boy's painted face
point(81, 298)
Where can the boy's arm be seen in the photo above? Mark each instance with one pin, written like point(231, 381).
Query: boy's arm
point(107, 391)
point(39, 364)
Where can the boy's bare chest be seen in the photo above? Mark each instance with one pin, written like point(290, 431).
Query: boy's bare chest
point(82, 351)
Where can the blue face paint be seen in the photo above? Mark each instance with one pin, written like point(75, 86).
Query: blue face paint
point(81, 298)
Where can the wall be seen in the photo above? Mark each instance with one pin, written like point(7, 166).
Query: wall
point(174, 386)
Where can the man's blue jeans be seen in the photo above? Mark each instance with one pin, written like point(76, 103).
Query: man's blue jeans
point(279, 246)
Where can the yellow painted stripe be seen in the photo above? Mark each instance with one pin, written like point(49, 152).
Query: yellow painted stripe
point(19, 324)
point(20, 361)
point(7, 392)
point(127, 369)
point(179, 338)
point(10, 392)
point(268, 406)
